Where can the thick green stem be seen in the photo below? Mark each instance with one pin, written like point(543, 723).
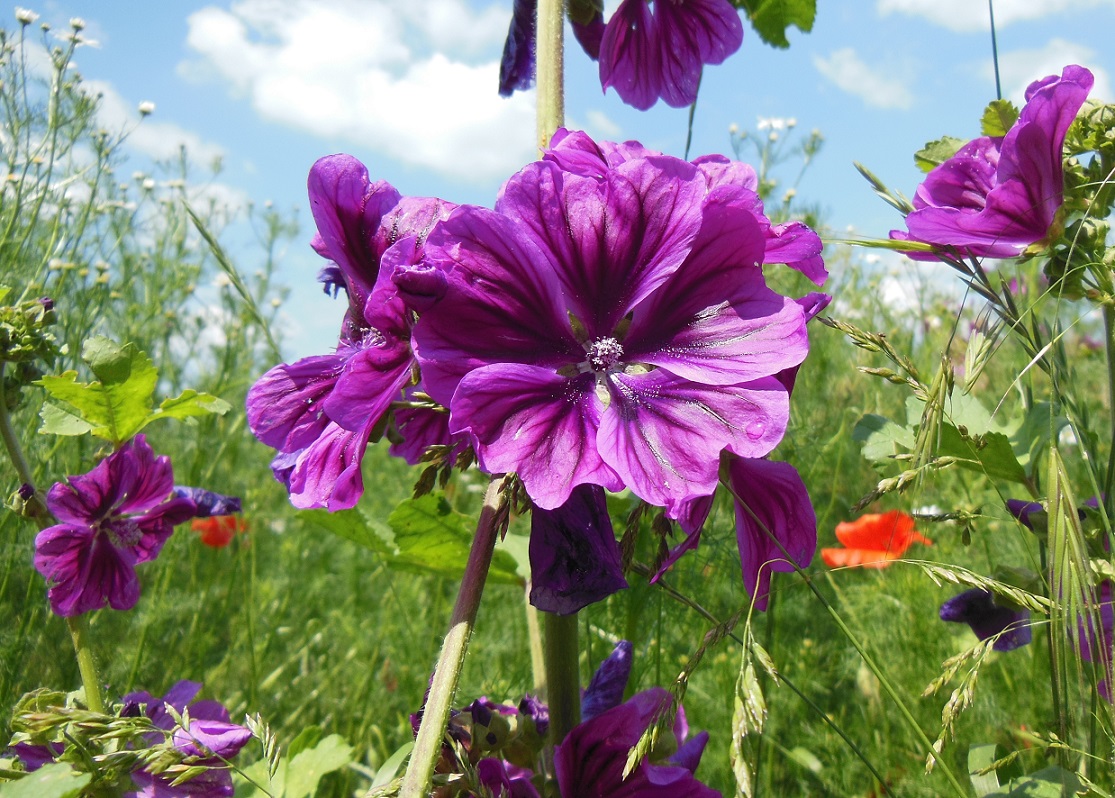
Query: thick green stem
point(447, 672)
point(549, 58)
point(563, 680)
point(79, 633)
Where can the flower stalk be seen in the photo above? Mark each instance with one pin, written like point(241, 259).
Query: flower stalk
point(447, 672)
point(549, 58)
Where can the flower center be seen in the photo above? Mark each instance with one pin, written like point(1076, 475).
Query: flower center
point(604, 353)
point(123, 532)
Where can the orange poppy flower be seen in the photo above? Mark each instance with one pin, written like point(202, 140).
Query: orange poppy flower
point(218, 531)
point(873, 540)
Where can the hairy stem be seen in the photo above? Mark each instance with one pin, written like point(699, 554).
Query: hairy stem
point(447, 672)
point(549, 58)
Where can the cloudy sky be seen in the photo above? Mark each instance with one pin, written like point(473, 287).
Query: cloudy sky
point(409, 87)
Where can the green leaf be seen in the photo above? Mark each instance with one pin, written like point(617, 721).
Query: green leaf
point(881, 438)
point(998, 118)
point(1034, 433)
point(305, 770)
point(980, 758)
point(353, 525)
point(772, 18)
point(307, 738)
point(188, 404)
point(1052, 782)
point(391, 766)
point(56, 780)
point(988, 453)
point(59, 421)
point(937, 152)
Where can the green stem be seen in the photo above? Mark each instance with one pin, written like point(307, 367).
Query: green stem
point(537, 653)
point(447, 672)
point(35, 507)
point(549, 58)
point(563, 682)
point(79, 633)
point(1109, 347)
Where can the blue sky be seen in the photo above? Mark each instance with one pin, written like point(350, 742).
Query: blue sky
point(408, 86)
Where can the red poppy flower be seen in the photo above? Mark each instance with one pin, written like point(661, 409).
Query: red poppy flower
point(219, 530)
point(873, 540)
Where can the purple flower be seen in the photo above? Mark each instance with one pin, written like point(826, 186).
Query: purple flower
point(610, 329)
point(206, 503)
point(654, 49)
point(590, 761)
point(505, 779)
point(320, 412)
point(574, 558)
point(210, 740)
point(774, 517)
point(516, 68)
point(997, 196)
point(112, 518)
point(1010, 626)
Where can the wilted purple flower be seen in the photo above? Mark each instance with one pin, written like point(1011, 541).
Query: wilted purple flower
point(590, 761)
point(320, 411)
point(774, 517)
point(516, 68)
point(998, 195)
point(655, 49)
point(112, 518)
point(207, 503)
point(211, 739)
point(977, 607)
point(574, 558)
point(612, 329)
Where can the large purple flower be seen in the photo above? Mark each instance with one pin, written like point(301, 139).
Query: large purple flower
point(654, 49)
point(612, 329)
point(997, 196)
point(112, 518)
point(211, 739)
point(590, 761)
point(320, 412)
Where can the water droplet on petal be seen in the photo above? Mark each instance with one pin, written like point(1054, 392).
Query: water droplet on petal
point(755, 430)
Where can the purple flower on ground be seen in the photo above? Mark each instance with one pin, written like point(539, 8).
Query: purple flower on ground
point(997, 196)
point(574, 558)
point(211, 740)
point(774, 517)
point(590, 761)
point(655, 49)
point(977, 608)
point(319, 413)
point(612, 329)
point(112, 518)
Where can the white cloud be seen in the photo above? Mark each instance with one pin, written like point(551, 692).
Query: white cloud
point(158, 140)
point(415, 81)
point(971, 15)
point(845, 69)
point(1020, 68)
point(601, 126)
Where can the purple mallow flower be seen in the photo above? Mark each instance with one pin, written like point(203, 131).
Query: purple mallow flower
point(574, 559)
point(112, 518)
point(609, 324)
point(207, 503)
point(999, 195)
point(516, 68)
point(320, 412)
point(211, 739)
point(589, 762)
point(655, 49)
point(1010, 626)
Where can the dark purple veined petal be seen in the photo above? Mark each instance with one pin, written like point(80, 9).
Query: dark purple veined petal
point(663, 435)
point(87, 571)
point(142, 480)
point(574, 557)
point(537, 423)
point(516, 68)
point(327, 473)
point(773, 505)
point(286, 406)
point(589, 34)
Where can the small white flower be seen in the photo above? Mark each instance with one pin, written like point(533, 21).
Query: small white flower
point(148, 185)
point(222, 280)
point(276, 302)
point(25, 16)
point(77, 23)
point(146, 108)
point(733, 129)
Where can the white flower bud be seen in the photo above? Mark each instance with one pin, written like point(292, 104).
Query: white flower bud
point(77, 23)
point(25, 16)
point(146, 108)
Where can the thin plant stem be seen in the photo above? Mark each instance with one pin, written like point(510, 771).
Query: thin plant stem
point(537, 651)
point(995, 50)
point(36, 508)
point(549, 57)
point(435, 715)
point(79, 633)
point(1109, 348)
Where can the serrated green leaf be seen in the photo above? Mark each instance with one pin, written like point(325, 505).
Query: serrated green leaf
point(772, 18)
point(353, 525)
point(59, 421)
point(882, 438)
point(998, 118)
point(431, 536)
point(989, 453)
point(937, 152)
point(188, 404)
point(305, 769)
point(56, 780)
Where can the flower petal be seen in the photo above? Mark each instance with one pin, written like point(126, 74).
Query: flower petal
point(286, 405)
point(605, 689)
point(327, 473)
point(574, 557)
point(87, 571)
point(516, 68)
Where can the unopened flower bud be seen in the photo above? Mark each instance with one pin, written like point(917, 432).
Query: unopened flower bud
point(46, 302)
